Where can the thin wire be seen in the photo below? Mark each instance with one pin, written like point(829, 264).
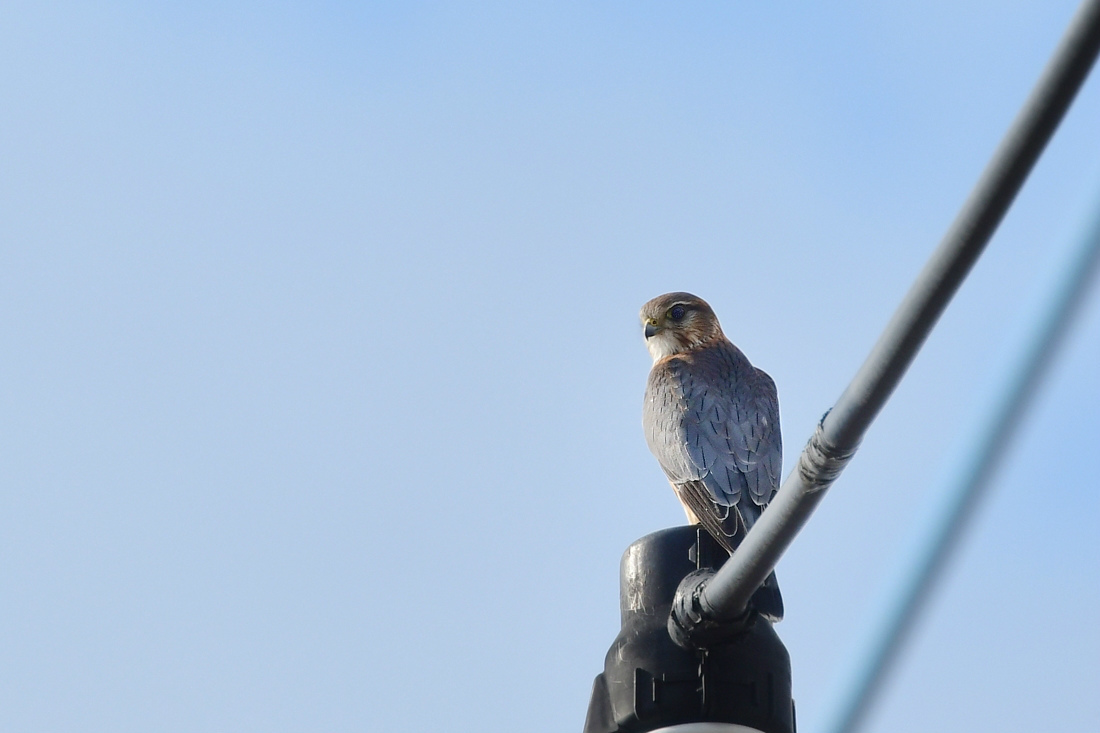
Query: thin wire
point(837, 437)
point(964, 491)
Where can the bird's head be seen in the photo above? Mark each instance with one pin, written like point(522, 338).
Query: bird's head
point(677, 322)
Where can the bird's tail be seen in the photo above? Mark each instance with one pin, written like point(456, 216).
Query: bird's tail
point(767, 600)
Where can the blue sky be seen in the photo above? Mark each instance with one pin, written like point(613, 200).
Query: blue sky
point(322, 377)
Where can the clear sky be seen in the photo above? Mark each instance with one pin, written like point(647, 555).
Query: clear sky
point(321, 376)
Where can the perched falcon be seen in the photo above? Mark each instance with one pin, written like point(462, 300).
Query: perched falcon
point(710, 417)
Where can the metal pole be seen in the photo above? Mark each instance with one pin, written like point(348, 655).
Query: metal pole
point(965, 490)
point(837, 437)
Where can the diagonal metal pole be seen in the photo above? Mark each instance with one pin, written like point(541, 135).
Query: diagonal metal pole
point(838, 435)
point(858, 690)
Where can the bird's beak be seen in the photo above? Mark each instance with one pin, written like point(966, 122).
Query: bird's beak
point(651, 329)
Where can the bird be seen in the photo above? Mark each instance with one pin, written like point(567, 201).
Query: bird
point(710, 417)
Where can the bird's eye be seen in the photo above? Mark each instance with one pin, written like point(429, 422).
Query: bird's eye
point(677, 312)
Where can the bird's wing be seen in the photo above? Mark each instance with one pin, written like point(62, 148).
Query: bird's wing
point(770, 447)
point(663, 420)
point(713, 423)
